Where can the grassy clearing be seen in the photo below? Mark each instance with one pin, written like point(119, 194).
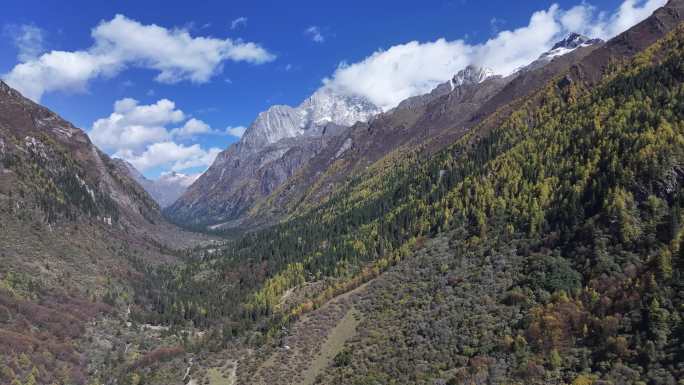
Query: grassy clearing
point(334, 344)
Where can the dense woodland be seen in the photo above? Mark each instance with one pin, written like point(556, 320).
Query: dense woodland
point(579, 191)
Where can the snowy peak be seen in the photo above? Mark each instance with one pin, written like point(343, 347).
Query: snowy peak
point(471, 75)
point(563, 47)
point(165, 190)
point(575, 40)
point(326, 106)
point(569, 44)
point(272, 125)
point(323, 107)
point(176, 178)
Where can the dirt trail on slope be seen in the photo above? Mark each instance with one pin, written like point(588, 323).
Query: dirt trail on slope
point(312, 343)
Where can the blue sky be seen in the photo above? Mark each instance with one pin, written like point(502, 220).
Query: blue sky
point(292, 47)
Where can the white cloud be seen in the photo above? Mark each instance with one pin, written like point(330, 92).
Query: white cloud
point(236, 131)
point(132, 126)
point(29, 40)
point(176, 157)
point(144, 135)
point(314, 32)
point(192, 127)
point(391, 75)
point(239, 22)
point(585, 20)
point(195, 127)
point(123, 42)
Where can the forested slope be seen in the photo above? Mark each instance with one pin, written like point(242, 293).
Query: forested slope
point(73, 228)
point(573, 197)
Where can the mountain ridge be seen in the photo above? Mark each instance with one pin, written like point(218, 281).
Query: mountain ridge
point(238, 207)
point(271, 150)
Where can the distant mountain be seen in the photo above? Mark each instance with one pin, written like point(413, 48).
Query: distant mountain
point(272, 149)
point(164, 190)
point(308, 119)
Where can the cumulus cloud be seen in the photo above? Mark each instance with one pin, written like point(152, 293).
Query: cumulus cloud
point(144, 135)
point(133, 126)
point(239, 22)
point(236, 131)
point(121, 43)
point(389, 76)
point(584, 18)
point(192, 127)
point(177, 157)
point(314, 32)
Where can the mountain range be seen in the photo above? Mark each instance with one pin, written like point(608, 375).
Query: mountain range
point(523, 228)
point(327, 137)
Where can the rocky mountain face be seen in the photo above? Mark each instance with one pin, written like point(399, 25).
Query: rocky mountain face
point(422, 124)
point(76, 232)
point(60, 170)
point(54, 181)
point(292, 156)
point(471, 75)
point(166, 189)
point(272, 149)
point(563, 47)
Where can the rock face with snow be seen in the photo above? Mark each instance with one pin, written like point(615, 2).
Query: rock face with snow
point(468, 76)
point(288, 149)
point(272, 149)
point(164, 190)
point(563, 47)
point(425, 123)
point(308, 119)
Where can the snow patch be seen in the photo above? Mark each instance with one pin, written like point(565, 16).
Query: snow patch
point(345, 146)
point(323, 107)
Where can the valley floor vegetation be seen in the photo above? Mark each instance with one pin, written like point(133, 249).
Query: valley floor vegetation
point(562, 264)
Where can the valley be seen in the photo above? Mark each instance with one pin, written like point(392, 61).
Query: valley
point(523, 228)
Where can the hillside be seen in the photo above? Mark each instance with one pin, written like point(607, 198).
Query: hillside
point(75, 232)
point(525, 229)
point(555, 225)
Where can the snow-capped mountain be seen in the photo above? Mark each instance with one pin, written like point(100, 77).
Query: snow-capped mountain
point(575, 40)
point(563, 47)
point(470, 75)
point(164, 190)
point(283, 139)
point(272, 149)
point(323, 107)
